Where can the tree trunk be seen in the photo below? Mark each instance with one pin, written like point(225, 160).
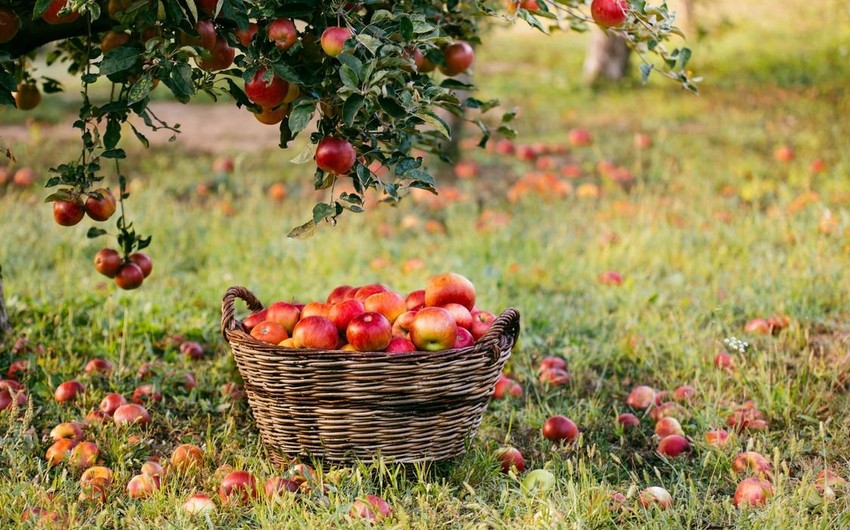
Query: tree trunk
point(607, 57)
point(686, 18)
point(5, 328)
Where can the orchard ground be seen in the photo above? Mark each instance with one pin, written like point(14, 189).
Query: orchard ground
point(712, 232)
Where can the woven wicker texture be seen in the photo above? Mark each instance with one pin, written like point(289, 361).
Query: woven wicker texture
point(342, 406)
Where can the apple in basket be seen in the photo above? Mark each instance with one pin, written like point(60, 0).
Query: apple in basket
point(433, 329)
point(449, 288)
point(369, 332)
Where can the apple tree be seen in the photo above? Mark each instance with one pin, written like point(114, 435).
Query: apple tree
point(369, 82)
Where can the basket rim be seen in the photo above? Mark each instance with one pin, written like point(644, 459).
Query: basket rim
point(506, 322)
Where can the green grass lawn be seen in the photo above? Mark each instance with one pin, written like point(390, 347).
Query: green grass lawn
point(713, 233)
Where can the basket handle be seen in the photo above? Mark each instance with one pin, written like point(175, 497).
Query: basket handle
point(229, 322)
point(506, 324)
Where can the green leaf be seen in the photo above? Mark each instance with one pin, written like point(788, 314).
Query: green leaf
point(351, 107)
point(141, 137)
point(301, 115)
point(95, 232)
point(645, 70)
point(112, 134)
point(349, 77)
point(114, 153)
point(322, 211)
point(40, 7)
point(391, 107)
point(140, 89)
point(286, 72)
point(436, 122)
point(304, 231)
point(119, 60)
point(352, 62)
point(405, 27)
point(306, 154)
point(61, 195)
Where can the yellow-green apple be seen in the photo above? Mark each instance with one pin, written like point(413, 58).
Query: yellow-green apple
point(752, 461)
point(449, 288)
point(510, 457)
point(335, 155)
point(609, 13)
point(667, 426)
point(462, 316)
point(152, 468)
point(270, 332)
point(717, 437)
point(464, 338)
point(752, 491)
point(111, 402)
point(559, 428)
point(628, 420)
point(433, 329)
point(316, 332)
point(674, 445)
point(72, 430)
point(415, 300)
point(339, 294)
point(198, 504)
point(538, 481)
point(142, 486)
point(59, 451)
point(369, 332)
point(333, 40)
point(131, 413)
point(458, 58)
point(343, 311)
point(255, 318)
point(83, 455)
point(400, 345)
point(315, 309)
point(266, 89)
point(185, 456)
point(238, 486)
point(289, 343)
point(68, 391)
point(481, 323)
point(100, 204)
point(285, 314)
point(641, 397)
point(144, 394)
point(283, 33)
point(389, 303)
point(655, 496)
point(69, 213)
point(401, 326)
point(98, 366)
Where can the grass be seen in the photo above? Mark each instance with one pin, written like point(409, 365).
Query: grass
point(709, 237)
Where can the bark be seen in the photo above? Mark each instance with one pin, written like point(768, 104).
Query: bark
point(607, 57)
point(34, 34)
point(5, 328)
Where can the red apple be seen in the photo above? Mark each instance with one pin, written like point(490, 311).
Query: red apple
point(752, 491)
point(415, 300)
point(552, 362)
point(668, 426)
point(18, 369)
point(9, 25)
point(339, 294)
point(609, 13)
point(238, 486)
point(433, 329)
point(14, 392)
point(464, 339)
point(400, 345)
point(560, 429)
point(247, 36)
point(401, 326)
point(316, 332)
point(641, 397)
point(143, 261)
point(144, 394)
point(283, 33)
point(510, 457)
point(251, 321)
point(466, 169)
point(462, 316)
point(724, 361)
point(100, 204)
point(221, 56)
point(198, 504)
point(505, 386)
point(142, 486)
point(753, 461)
point(481, 323)
point(655, 496)
point(285, 314)
point(674, 445)
point(270, 332)
point(111, 402)
point(335, 155)
point(68, 391)
point(192, 350)
point(68, 213)
point(59, 451)
point(388, 303)
point(450, 288)
point(95, 483)
point(51, 15)
point(266, 89)
point(333, 40)
point(610, 278)
point(131, 413)
point(423, 64)
point(129, 276)
point(186, 456)
point(98, 366)
point(554, 377)
point(369, 332)
point(717, 437)
point(83, 456)
point(315, 309)
point(817, 166)
point(458, 58)
point(362, 293)
point(275, 486)
point(784, 153)
point(71, 430)
point(342, 312)
point(152, 469)
point(684, 393)
point(758, 326)
point(828, 480)
point(628, 420)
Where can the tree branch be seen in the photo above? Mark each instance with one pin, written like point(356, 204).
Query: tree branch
point(34, 34)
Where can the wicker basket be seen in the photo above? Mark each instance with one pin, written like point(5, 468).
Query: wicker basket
point(342, 406)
